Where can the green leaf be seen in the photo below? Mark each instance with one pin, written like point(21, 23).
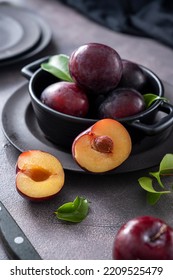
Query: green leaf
point(147, 184)
point(58, 66)
point(152, 198)
point(165, 168)
point(157, 176)
point(152, 195)
point(166, 165)
point(149, 98)
point(75, 211)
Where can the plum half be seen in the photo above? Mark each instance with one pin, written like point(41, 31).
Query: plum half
point(39, 175)
point(102, 147)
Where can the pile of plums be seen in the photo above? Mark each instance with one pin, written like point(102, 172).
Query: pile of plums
point(105, 86)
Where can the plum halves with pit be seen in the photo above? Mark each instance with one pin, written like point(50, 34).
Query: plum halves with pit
point(102, 147)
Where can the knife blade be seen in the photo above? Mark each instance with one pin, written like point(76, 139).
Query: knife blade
point(16, 243)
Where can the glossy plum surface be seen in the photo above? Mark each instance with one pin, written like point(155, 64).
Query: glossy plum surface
point(144, 238)
point(121, 103)
point(96, 67)
point(67, 98)
point(132, 76)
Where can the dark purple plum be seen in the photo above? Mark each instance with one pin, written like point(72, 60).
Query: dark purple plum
point(67, 98)
point(144, 238)
point(133, 76)
point(122, 103)
point(96, 67)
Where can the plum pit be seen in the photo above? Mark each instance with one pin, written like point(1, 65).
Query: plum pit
point(102, 144)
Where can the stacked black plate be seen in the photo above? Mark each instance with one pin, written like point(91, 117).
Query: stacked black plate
point(23, 34)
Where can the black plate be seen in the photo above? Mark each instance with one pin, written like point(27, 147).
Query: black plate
point(21, 129)
point(45, 31)
point(18, 35)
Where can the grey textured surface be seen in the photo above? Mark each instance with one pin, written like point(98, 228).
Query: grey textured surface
point(113, 198)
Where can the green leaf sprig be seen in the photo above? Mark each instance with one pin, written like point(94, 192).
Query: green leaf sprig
point(165, 169)
point(57, 65)
point(75, 211)
point(150, 98)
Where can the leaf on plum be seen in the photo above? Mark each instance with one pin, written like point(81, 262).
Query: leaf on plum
point(149, 98)
point(58, 66)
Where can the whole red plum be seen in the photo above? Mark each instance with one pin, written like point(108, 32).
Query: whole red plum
point(133, 76)
point(122, 103)
point(96, 67)
point(144, 238)
point(67, 98)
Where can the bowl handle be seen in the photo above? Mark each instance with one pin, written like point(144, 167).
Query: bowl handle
point(160, 125)
point(28, 70)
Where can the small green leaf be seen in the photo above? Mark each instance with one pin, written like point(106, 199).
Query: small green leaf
point(149, 98)
point(152, 198)
point(75, 211)
point(147, 184)
point(58, 66)
point(166, 165)
point(152, 195)
point(165, 168)
point(157, 176)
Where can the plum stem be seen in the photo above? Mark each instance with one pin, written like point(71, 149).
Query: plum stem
point(162, 229)
point(102, 144)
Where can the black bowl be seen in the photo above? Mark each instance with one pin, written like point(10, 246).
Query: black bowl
point(62, 129)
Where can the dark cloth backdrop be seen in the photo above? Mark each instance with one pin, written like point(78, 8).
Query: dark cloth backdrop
point(148, 18)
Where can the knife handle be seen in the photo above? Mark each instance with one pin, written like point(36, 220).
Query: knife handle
point(15, 241)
